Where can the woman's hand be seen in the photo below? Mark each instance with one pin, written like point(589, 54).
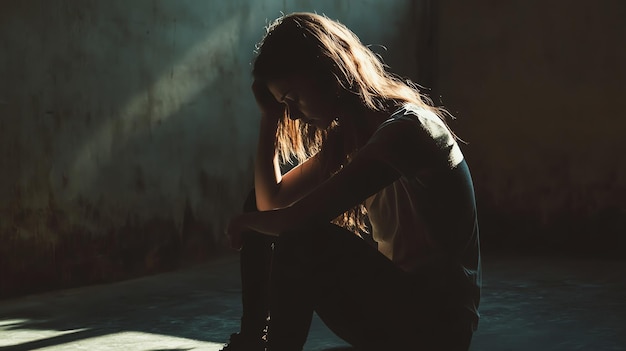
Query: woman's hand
point(270, 108)
point(233, 232)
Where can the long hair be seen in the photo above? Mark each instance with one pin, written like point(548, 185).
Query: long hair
point(307, 43)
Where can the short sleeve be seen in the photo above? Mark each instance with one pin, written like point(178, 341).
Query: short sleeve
point(413, 140)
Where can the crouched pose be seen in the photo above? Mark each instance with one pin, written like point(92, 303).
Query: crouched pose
point(373, 153)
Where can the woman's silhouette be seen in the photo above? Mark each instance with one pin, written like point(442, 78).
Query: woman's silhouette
point(373, 153)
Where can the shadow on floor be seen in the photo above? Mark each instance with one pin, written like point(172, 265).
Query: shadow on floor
point(527, 303)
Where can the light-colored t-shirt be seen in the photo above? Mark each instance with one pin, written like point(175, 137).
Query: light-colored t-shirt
point(426, 220)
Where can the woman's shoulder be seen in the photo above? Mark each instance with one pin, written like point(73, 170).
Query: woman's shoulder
point(414, 127)
point(415, 120)
point(412, 130)
point(406, 127)
point(414, 113)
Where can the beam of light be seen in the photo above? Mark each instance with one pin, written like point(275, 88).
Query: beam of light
point(127, 341)
point(136, 341)
point(15, 332)
point(161, 100)
point(6, 323)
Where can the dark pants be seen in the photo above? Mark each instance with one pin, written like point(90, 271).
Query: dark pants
point(358, 293)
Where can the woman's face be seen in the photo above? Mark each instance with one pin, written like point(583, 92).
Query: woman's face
point(306, 99)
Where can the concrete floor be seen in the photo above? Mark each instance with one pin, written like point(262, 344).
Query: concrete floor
point(528, 304)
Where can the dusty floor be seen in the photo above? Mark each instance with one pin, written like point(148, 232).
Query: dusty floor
point(528, 304)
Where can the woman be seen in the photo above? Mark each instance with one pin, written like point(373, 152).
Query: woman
point(370, 149)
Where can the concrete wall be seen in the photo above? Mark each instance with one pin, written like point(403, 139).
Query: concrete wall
point(127, 128)
point(539, 88)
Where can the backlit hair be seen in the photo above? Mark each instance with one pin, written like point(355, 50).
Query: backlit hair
point(307, 43)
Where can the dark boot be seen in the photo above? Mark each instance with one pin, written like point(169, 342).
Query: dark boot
point(240, 343)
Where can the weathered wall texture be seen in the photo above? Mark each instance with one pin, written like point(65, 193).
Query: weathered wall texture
point(127, 128)
point(540, 91)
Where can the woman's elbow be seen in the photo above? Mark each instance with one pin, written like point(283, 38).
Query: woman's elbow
point(265, 204)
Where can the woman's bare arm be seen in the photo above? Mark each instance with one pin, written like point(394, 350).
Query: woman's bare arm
point(365, 175)
point(267, 175)
point(272, 189)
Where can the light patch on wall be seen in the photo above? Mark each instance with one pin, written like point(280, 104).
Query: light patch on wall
point(162, 99)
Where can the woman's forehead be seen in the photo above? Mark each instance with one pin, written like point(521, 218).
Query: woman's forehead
point(292, 84)
point(279, 88)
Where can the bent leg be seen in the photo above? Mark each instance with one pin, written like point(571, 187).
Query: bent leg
point(291, 307)
point(332, 270)
point(255, 261)
point(360, 294)
point(269, 282)
point(372, 304)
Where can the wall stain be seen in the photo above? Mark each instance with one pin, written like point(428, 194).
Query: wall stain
point(47, 248)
